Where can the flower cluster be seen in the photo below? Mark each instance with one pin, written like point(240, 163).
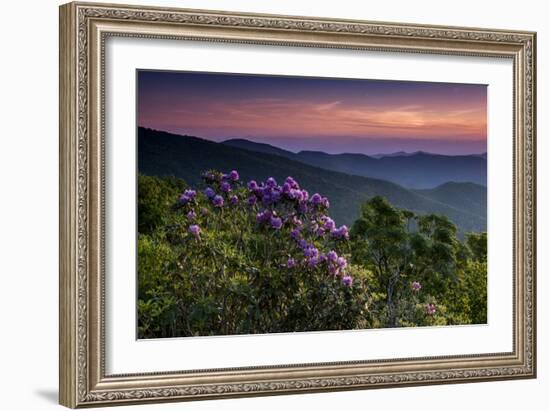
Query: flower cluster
point(335, 265)
point(279, 207)
point(347, 280)
point(305, 216)
point(270, 193)
point(195, 230)
point(269, 217)
point(325, 225)
point(430, 309)
point(187, 196)
point(291, 197)
point(223, 181)
point(217, 200)
point(416, 286)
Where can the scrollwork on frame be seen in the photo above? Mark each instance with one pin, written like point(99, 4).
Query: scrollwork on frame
point(86, 13)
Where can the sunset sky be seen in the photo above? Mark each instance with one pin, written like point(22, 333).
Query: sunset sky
point(304, 113)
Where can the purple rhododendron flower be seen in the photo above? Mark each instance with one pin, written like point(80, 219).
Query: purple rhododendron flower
point(328, 223)
point(291, 182)
point(258, 191)
point(286, 188)
point(347, 280)
point(305, 195)
point(342, 232)
point(341, 262)
point(416, 286)
point(209, 192)
point(233, 200)
point(295, 234)
point(275, 196)
point(190, 193)
point(252, 200)
point(336, 264)
point(431, 309)
point(296, 195)
point(263, 216)
point(234, 175)
point(276, 222)
point(303, 244)
point(191, 215)
point(271, 182)
point(184, 199)
point(225, 187)
point(316, 199)
point(195, 230)
point(187, 196)
point(218, 201)
point(302, 208)
point(325, 202)
point(252, 185)
point(311, 252)
point(291, 263)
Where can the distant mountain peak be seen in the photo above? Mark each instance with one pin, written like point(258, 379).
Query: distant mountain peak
point(164, 154)
point(399, 154)
point(416, 170)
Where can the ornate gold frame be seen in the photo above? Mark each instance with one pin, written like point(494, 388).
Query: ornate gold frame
point(83, 30)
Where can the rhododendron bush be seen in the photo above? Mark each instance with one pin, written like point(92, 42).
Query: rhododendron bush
point(233, 257)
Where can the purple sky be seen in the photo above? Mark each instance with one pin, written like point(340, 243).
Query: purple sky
point(304, 113)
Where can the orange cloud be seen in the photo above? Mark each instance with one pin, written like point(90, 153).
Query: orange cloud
point(258, 116)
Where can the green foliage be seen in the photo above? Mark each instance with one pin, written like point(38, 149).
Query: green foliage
point(156, 303)
point(233, 277)
point(205, 269)
point(477, 243)
point(155, 196)
point(401, 248)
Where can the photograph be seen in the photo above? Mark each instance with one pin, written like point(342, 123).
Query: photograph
point(264, 202)
point(282, 204)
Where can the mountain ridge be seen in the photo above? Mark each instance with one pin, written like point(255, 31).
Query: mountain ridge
point(164, 154)
point(419, 170)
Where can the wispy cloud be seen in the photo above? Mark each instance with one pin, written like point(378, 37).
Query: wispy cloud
point(286, 111)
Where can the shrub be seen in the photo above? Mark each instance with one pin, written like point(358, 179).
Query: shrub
point(235, 259)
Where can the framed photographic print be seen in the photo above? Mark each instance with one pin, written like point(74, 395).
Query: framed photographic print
point(258, 204)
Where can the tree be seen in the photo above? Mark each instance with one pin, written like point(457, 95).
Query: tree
point(401, 248)
point(477, 243)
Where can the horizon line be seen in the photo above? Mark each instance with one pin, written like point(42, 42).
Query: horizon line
point(374, 155)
